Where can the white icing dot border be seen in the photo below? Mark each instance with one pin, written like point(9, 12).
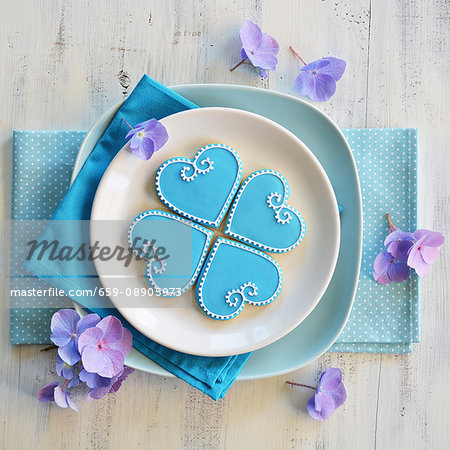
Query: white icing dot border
point(284, 205)
point(147, 274)
point(193, 162)
point(205, 270)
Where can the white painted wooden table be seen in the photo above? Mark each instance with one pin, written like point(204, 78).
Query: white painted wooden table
point(63, 63)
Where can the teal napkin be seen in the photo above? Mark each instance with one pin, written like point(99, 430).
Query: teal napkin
point(384, 318)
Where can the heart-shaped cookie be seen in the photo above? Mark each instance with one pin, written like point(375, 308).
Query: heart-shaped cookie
point(175, 249)
point(235, 274)
point(202, 188)
point(260, 215)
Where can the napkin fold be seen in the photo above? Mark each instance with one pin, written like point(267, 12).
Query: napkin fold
point(384, 318)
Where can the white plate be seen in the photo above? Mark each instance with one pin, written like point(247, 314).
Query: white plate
point(126, 190)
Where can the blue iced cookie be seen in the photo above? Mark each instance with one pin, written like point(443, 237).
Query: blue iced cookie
point(235, 274)
point(261, 217)
point(175, 249)
point(200, 189)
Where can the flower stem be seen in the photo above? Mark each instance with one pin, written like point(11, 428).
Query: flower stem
point(64, 385)
point(51, 347)
point(299, 384)
point(128, 124)
point(297, 55)
point(391, 225)
point(238, 64)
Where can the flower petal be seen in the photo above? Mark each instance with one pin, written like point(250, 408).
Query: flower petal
point(91, 336)
point(324, 88)
point(143, 148)
point(112, 329)
point(398, 271)
point(266, 61)
point(339, 395)
point(124, 344)
point(69, 353)
point(434, 238)
point(61, 338)
point(268, 45)
point(416, 261)
point(158, 136)
point(315, 65)
point(251, 36)
point(64, 320)
point(429, 254)
point(60, 397)
point(105, 362)
point(330, 379)
point(88, 321)
point(381, 262)
point(47, 393)
point(335, 68)
point(117, 384)
point(325, 403)
point(304, 83)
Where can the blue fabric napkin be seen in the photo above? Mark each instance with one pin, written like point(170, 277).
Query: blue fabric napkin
point(384, 318)
point(212, 376)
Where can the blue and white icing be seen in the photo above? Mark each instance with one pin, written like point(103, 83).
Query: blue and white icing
point(261, 217)
point(233, 275)
point(184, 241)
point(202, 188)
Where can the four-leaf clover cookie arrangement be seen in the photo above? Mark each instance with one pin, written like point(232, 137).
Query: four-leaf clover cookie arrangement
point(202, 192)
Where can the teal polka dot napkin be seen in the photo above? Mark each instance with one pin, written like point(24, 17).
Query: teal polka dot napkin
point(384, 318)
point(42, 167)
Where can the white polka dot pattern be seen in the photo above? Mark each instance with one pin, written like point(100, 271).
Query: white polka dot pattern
point(385, 318)
point(42, 167)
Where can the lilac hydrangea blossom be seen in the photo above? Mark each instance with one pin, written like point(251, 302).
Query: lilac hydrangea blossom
point(330, 394)
point(424, 251)
point(87, 343)
point(147, 138)
point(103, 348)
point(317, 80)
point(258, 48)
point(66, 326)
point(405, 250)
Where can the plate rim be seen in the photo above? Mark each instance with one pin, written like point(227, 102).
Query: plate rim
point(83, 155)
point(334, 248)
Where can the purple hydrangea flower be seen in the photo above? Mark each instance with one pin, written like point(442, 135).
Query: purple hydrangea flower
point(330, 394)
point(258, 47)
point(398, 244)
point(66, 327)
point(424, 251)
point(386, 269)
point(147, 138)
point(317, 80)
point(103, 348)
point(54, 393)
